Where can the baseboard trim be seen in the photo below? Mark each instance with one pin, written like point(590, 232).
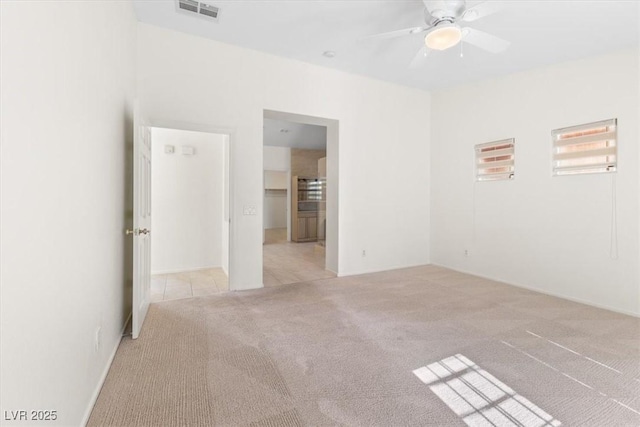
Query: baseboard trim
point(334, 272)
point(545, 292)
point(379, 270)
point(103, 377)
point(186, 270)
point(249, 288)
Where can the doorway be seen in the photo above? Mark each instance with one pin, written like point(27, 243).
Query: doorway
point(300, 198)
point(190, 214)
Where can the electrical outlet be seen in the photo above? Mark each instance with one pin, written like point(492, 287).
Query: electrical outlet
point(249, 210)
point(98, 338)
point(466, 252)
point(364, 253)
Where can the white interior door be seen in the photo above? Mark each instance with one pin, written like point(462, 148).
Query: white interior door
point(141, 223)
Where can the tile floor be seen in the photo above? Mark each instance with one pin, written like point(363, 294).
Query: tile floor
point(187, 284)
point(289, 262)
point(284, 263)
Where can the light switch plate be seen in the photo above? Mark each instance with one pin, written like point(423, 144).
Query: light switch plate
point(169, 149)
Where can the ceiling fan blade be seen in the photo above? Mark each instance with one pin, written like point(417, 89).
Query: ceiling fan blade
point(484, 40)
point(481, 10)
point(397, 33)
point(420, 58)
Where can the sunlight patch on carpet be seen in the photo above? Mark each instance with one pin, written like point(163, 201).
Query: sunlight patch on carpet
point(478, 397)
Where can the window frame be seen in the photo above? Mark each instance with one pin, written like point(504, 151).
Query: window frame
point(505, 148)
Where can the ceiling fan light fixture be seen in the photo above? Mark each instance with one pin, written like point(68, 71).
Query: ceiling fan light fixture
point(443, 37)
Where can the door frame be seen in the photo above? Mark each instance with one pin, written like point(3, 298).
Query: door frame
point(231, 135)
point(332, 244)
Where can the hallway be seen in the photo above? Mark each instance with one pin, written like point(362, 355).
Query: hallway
point(287, 262)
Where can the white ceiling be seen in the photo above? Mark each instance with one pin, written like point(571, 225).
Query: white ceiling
point(281, 133)
point(541, 33)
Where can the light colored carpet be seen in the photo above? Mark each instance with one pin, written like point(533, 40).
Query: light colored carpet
point(368, 350)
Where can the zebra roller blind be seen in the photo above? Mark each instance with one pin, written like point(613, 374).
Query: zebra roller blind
point(588, 148)
point(495, 160)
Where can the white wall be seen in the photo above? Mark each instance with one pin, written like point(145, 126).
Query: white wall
point(67, 81)
point(383, 142)
point(275, 202)
point(275, 210)
point(275, 180)
point(187, 194)
point(547, 233)
point(277, 158)
point(277, 166)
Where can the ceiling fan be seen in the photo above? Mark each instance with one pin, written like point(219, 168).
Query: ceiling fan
point(443, 20)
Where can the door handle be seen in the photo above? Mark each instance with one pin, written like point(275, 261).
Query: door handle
point(137, 232)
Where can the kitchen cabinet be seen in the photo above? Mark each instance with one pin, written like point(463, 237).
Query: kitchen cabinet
point(306, 227)
point(308, 200)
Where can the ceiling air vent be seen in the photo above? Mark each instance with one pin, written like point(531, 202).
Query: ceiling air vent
point(190, 5)
point(208, 10)
point(202, 9)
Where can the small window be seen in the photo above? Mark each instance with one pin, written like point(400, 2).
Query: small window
point(495, 160)
point(589, 148)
